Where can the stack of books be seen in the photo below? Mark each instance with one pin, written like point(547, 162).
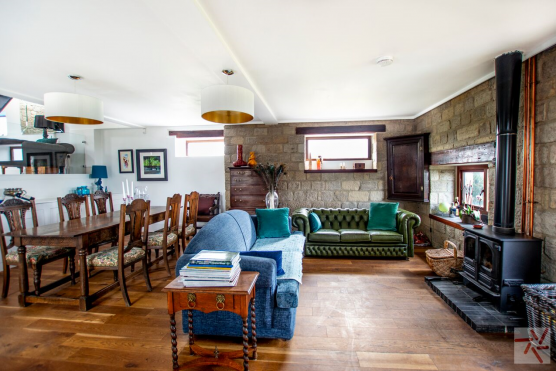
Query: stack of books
point(211, 269)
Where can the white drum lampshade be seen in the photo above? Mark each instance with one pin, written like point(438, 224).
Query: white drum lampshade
point(227, 104)
point(72, 108)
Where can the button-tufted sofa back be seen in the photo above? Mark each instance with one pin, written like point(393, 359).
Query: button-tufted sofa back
point(343, 218)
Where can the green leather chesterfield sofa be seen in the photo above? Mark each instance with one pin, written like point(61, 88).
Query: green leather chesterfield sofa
point(344, 233)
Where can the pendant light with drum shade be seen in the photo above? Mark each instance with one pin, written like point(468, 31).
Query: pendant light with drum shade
point(227, 104)
point(73, 108)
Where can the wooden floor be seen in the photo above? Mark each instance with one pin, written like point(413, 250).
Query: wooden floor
point(352, 315)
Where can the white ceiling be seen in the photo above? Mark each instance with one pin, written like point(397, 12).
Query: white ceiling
point(305, 60)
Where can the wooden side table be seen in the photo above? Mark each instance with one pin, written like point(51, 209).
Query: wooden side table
point(235, 299)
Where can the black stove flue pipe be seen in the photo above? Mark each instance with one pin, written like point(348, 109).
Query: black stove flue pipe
point(508, 88)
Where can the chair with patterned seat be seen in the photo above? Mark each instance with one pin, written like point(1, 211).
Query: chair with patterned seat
point(36, 256)
point(118, 258)
point(167, 239)
point(188, 228)
point(72, 204)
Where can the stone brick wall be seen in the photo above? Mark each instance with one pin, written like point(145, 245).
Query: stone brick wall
point(443, 184)
point(545, 160)
point(280, 144)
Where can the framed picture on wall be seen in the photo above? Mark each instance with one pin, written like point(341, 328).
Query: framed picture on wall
point(125, 157)
point(152, 165)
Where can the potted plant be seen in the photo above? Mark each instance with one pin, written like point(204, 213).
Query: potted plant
point(271, 175)
point(468, 215)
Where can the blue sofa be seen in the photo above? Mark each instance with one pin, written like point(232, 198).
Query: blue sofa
point(276, 296)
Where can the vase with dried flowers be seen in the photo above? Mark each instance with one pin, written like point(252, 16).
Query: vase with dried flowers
point(271, 175)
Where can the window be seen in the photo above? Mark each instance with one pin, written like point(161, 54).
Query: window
point(473, 186)
point(199, 147)
point(338, 148)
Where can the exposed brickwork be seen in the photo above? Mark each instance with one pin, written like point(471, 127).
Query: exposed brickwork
point(545, 160)
point(280, 144)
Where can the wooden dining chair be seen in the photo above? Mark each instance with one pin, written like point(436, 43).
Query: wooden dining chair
point(72, 203)
point(36, 256)
point(100, 201)
point(166, 240)
point(118, 258)
point(189, 222)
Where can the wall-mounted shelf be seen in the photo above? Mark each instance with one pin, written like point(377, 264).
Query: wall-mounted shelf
point(342, 171)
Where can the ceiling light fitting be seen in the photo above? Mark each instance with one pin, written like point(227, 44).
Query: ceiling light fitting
point(227, 104)
point(385, 61)
point(73, 108)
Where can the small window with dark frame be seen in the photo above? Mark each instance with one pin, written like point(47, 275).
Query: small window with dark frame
point(202, 147)
point(473, 186)
point(339, 148)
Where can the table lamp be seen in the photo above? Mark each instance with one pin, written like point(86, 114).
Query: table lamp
point(100, 172)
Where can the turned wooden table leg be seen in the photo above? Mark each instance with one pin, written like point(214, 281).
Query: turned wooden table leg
point(174, 337)
point(254, 328)
point(190, 320)
point(245, 346)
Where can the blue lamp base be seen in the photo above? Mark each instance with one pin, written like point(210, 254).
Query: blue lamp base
point(98, 183)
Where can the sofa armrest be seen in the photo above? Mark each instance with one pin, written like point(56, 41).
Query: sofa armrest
point(406, 222)
point(300, 219)
point(265, 266)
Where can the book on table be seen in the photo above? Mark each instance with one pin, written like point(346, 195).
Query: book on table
point(215, 258)
point(211, 269)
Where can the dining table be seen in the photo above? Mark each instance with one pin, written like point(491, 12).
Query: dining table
point(78, 234)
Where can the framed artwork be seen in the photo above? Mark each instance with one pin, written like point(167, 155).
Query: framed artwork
point(39, 159)
point(152, 165)
point(125, 157)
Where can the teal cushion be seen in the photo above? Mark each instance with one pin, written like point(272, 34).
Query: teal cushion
point(314, 222)
point(382, 216)
point(273, 223)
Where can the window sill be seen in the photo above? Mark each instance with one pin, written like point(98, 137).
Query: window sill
point(342, 171)
point(454, 222)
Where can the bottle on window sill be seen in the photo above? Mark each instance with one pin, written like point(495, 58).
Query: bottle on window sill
point(319, 163)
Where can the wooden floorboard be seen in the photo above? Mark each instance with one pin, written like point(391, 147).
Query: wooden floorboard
point(353, 314)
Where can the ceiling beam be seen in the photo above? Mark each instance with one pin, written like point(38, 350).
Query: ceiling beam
point(269, 118)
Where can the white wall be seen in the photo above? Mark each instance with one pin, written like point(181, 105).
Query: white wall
point(45, 186)
point(185, 174)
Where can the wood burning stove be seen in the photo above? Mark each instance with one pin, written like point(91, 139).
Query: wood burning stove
point(498, 264)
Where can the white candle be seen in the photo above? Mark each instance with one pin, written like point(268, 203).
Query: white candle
point(123, 189)
point(127, 187)
point(132, 190)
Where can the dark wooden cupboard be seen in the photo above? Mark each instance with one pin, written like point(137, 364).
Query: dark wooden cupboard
point(408, 161)
point(247, 190)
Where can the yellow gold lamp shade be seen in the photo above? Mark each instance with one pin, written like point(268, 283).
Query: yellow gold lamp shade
point(72, 108)
point(227, 104)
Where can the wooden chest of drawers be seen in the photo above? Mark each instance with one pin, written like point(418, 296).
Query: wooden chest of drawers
point(247, 190)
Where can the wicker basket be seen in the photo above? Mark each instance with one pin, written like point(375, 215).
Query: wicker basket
point(540, 300)
point(443, 260)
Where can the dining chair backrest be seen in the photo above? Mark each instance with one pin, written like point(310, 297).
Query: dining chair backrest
point(72, 203)
point(191, 208)
point(14, 210)
point(172, 216)
point(100, 201)
point(138, 212)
